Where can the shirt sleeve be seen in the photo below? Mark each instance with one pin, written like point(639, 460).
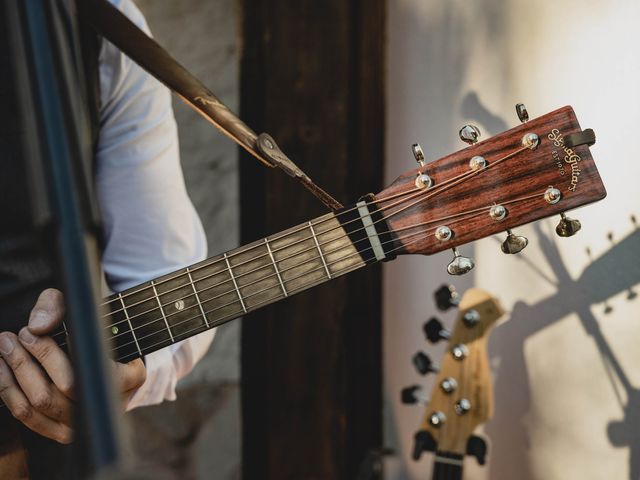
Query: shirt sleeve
point(150, 225)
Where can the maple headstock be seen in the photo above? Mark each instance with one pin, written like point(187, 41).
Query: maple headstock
point(514, 176)
point(465, 365)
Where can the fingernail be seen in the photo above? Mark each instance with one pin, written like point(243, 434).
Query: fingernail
point(26, 336)
point(39, 319)
point(6, 344)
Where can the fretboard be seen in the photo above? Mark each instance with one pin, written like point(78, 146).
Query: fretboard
point(194, 299)
point(447, 466)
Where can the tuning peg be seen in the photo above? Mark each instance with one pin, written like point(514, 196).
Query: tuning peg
point(434, 331)
point(521, 110)
point(418, 154)
point(414, 394)
point(568, 227)
point(423, 363)
point(477, 447)
point(514, 243)
point(446, 297)
point(460, 264)
point(469, 134)
point(423, 442)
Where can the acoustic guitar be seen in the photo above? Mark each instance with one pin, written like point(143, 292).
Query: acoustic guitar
point(540, 168)
point(462, 396)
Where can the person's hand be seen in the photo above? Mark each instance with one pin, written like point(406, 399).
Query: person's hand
point(36, 378)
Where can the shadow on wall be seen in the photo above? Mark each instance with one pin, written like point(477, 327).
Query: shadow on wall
point(572, 296)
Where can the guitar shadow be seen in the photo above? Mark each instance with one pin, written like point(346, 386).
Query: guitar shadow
point(573, 296)
point(577, 297)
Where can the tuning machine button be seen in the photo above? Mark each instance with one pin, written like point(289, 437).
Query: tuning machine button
point(514, 243)
point(434, 331)
point(568, 227)
point(469, 134)
point(423, 363)
point(477, 447)
point(460, 264)
point(414, 394)
point(423, 442)
point(522, 113)
point(418, 154)
point(446, 297)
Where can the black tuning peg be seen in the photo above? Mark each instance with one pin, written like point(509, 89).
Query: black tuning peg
point(477, 447)
point(434, 331)
point(446, 297)
point(567, 227)
point(423, 363)
point(413, 394)
point(423, 441)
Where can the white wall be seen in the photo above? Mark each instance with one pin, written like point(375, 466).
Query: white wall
point(567, 374)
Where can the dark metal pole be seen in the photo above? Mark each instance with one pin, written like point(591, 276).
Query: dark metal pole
point(44, 36)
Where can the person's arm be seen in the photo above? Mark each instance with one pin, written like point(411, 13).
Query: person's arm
point(150, 228)
point(150, 225)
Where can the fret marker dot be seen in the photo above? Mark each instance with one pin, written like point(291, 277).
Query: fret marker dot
point(114, 330)
point(179, 305)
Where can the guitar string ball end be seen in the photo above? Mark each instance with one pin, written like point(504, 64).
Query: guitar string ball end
point(498, 213)
point(443, 233)
point(477, 162)
point(552, 195)
point(530, 140)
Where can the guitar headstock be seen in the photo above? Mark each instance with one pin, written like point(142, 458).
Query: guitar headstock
point(462, 396)
point(540, 168)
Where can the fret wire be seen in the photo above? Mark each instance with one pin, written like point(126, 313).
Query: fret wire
point(346, 270)
point(164, 317)
point(234, 283)
point(405, 228)
point(412, 196)
point(444, 186)
point(195, 292)
point(315, 239)
point(306, 286)
point(133, 333)
point(275, 266)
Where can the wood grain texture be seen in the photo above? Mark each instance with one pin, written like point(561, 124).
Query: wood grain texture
point(312, 76)
point(472, 375)
point(525, 174)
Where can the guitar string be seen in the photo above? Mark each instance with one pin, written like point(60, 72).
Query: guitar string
point(261, 279)
point(418, 192)
point(430, 193)
point(222, 320)
point(219, 307)
point(414, 192)
point(297, 253)
point(268, 266)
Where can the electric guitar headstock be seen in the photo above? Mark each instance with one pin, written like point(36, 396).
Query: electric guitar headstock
point(540, 168)
point(462, 396)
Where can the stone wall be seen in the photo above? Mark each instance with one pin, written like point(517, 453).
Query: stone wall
point(198, 435)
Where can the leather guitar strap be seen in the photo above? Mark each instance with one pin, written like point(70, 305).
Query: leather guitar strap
point(113, 25)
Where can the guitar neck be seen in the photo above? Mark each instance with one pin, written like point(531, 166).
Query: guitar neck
point(179, 305)
point(447, 466)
